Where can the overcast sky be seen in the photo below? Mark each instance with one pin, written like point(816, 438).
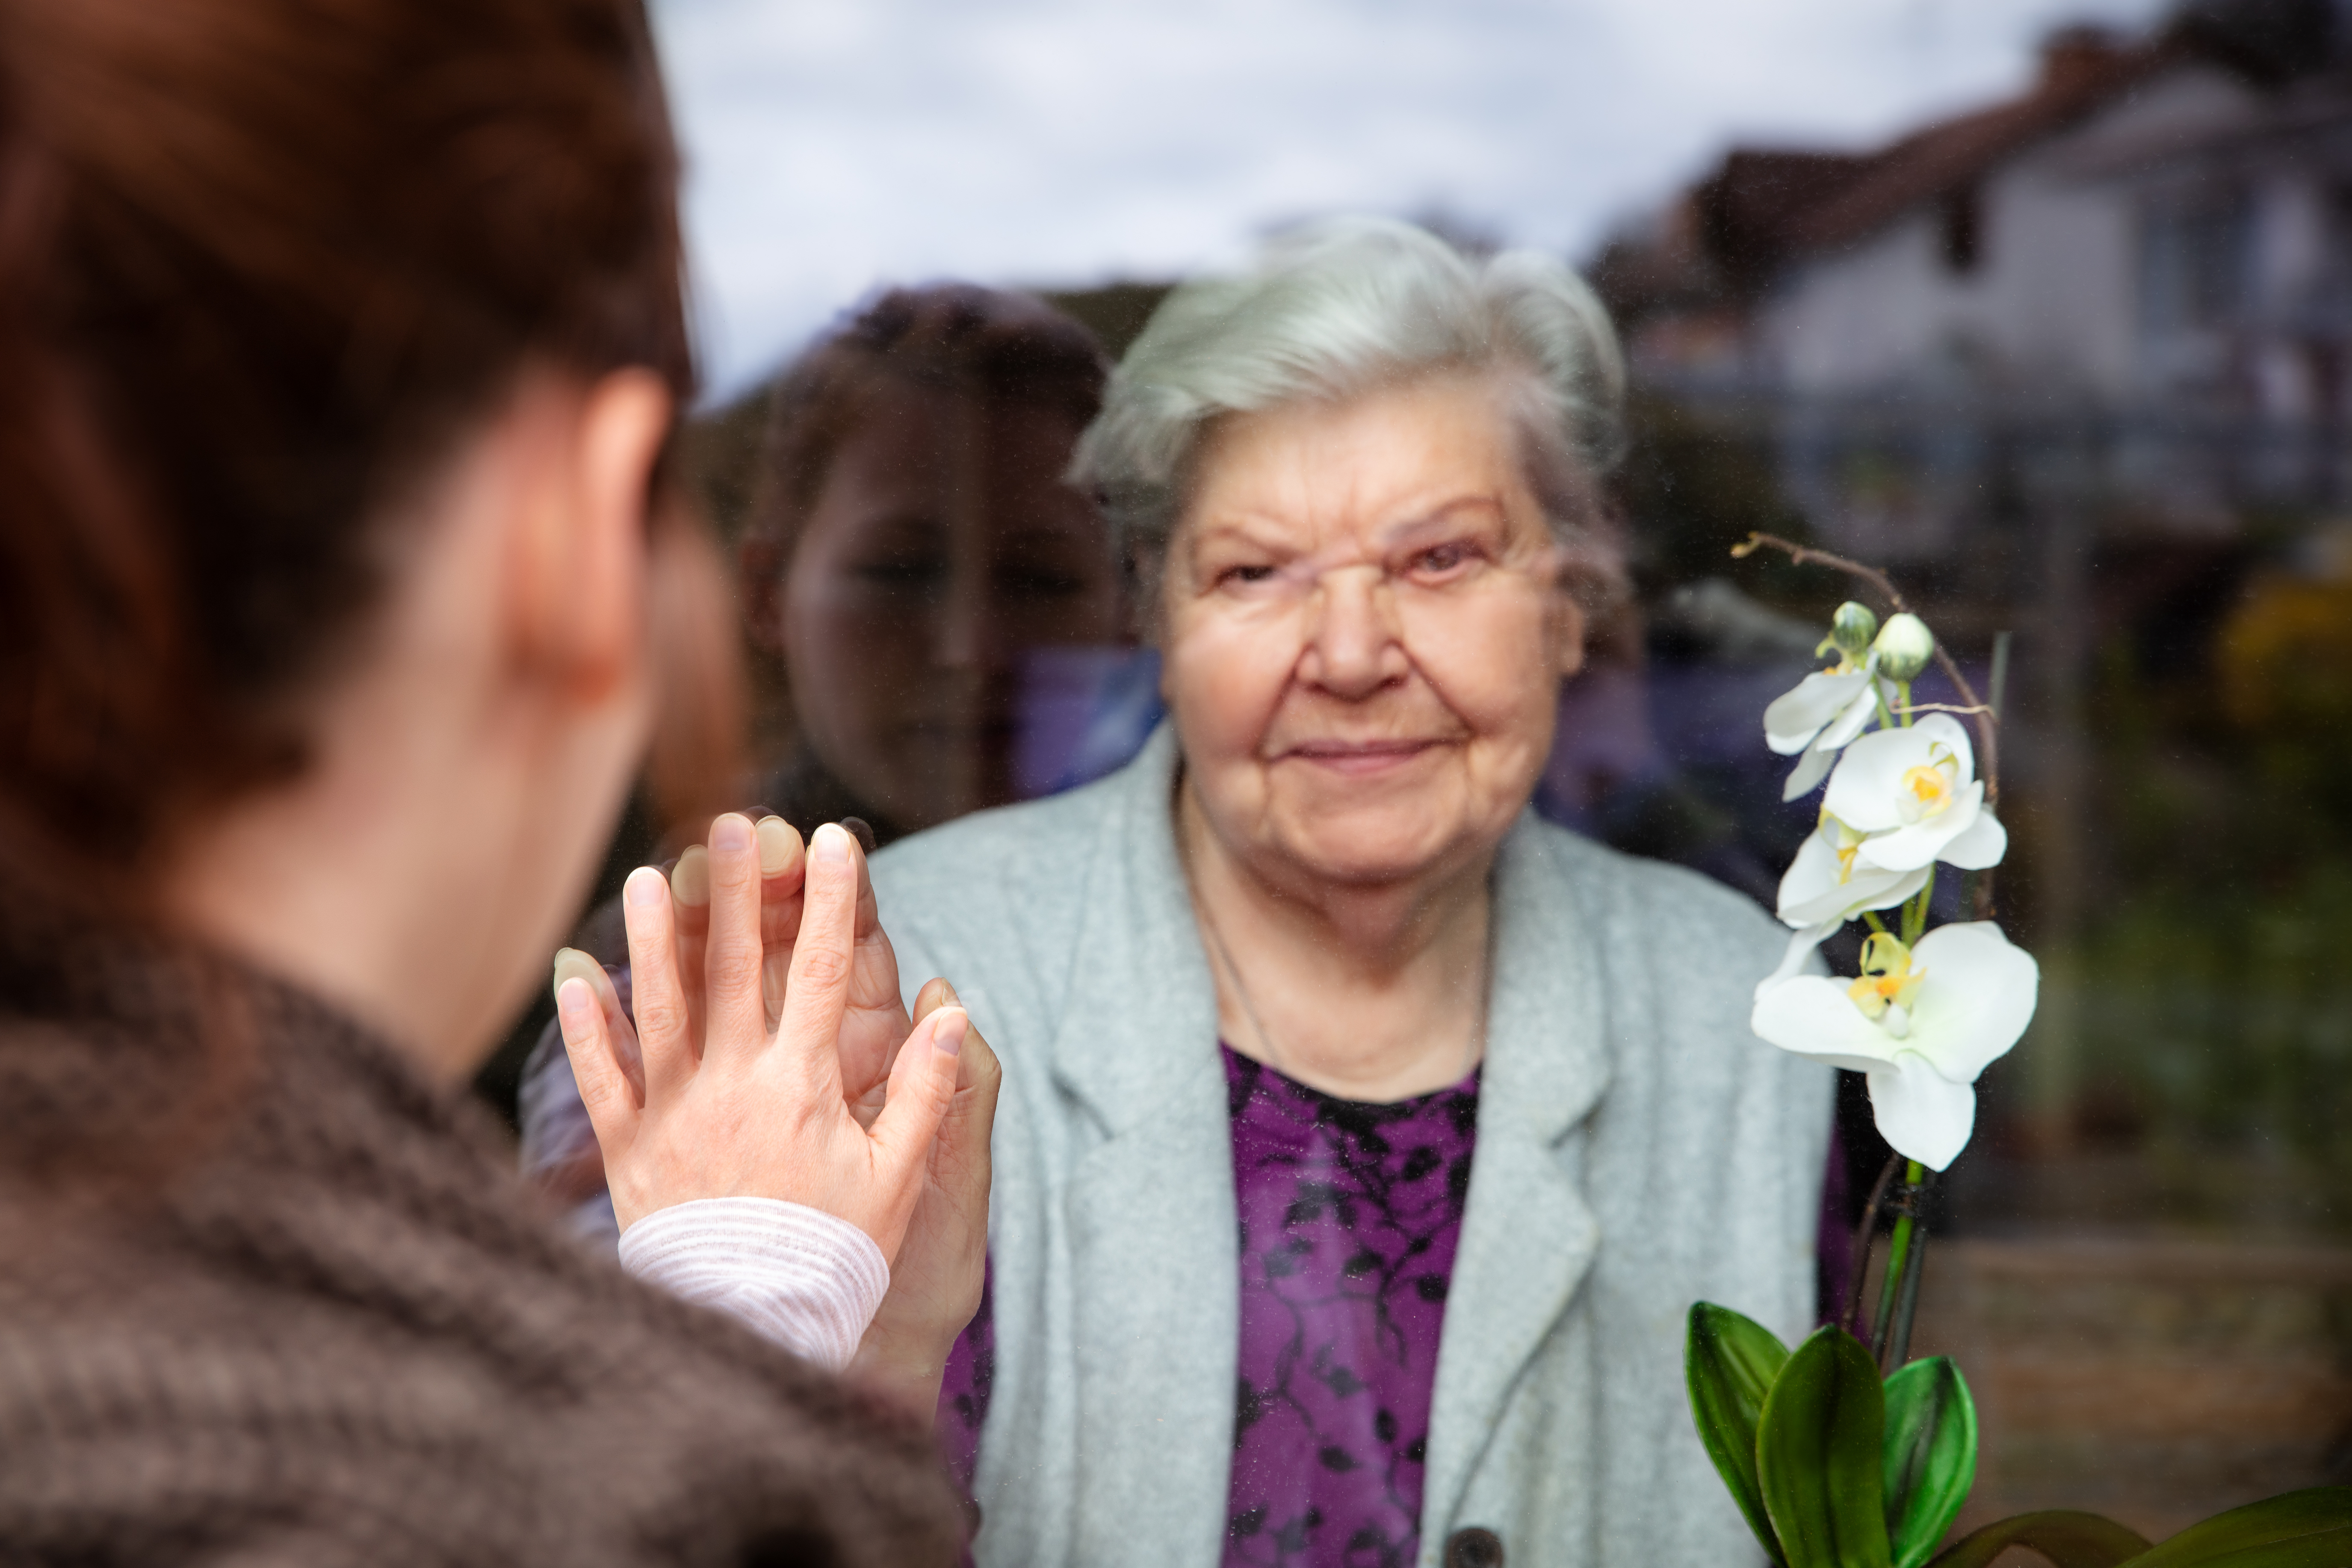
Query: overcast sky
point(835, 143)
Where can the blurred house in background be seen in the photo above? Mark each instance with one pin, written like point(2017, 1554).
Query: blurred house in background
point(2144, 258)
point(2078, 366)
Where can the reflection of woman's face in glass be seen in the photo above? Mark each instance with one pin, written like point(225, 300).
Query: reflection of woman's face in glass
point(941, 546)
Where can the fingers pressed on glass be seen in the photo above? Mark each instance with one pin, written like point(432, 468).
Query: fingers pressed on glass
point(620, 1033)
point(690, 892)
point(922, 1086)
point(605, 1091)
point(665, 1036)
point(731, 962)
point(783, 864)
point(959, 1158)
point(817, 989)
point(878, 1023)
point(620, 1038)
point(869, 913)
point(934, 994)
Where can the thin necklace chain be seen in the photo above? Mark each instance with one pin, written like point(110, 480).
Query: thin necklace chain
point(1265, 1038)
point(1240, 989)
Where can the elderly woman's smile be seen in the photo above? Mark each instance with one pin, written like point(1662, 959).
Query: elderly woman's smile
point(1364, 633)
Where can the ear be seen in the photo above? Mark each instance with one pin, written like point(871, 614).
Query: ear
point(1147, 618)
point(578, 564)
point(1144, 586)
point(1569, 628)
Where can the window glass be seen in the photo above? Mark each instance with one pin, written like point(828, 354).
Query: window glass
point(2049, 323)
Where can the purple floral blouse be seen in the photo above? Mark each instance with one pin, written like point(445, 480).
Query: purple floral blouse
point(1350, 1216)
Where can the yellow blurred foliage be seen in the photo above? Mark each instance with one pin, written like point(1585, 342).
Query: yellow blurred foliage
point(2286, 654)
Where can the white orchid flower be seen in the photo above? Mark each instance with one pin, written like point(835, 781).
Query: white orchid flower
point(1824, 889)
point(1921, 1022)
point(1829, 884)
point(1825, 712)
point(1913, 796)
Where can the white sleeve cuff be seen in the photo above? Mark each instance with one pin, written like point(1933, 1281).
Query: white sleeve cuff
point(792, 1274)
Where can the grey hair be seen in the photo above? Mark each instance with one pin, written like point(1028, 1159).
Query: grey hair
point(1331, 312)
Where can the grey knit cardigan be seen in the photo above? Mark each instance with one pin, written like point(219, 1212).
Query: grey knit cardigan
point(1638, 1150)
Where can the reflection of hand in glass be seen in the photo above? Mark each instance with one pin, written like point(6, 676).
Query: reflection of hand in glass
point(725, 1104)
point(935, 1283)
point(936, 1276)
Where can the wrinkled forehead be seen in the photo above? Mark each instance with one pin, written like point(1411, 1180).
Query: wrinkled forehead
point(1368, 475)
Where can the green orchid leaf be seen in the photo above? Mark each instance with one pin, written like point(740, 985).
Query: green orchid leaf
point(1930, 1456)
point(1818, 1456)
point(2068, 1539)
point(2300, 1529)
point(1729, 1362)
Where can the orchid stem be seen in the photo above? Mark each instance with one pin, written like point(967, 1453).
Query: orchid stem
point(1871, 916)
point(1898, 1256)
point(1903, 697)
point(1915, 912)
point(1865, 1236)
point(1907, 1307)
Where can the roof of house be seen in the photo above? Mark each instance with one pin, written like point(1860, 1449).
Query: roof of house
point(1761, 206)
point(1747, 208)
point(2082, 73)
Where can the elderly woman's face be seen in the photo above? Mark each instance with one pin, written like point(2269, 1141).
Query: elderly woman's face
point(1365, 633)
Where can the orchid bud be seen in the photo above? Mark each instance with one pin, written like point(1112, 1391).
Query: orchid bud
point(1905, 645)
point(1851, 629)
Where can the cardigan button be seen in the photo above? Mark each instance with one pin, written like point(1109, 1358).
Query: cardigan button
point(1476, 1547)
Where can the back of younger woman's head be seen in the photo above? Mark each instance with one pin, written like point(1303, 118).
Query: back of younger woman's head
point(262, 264)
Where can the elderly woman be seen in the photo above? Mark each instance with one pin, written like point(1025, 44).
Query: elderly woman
point(1364, 1139)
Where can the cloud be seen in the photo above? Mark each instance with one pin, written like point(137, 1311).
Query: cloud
point(835, 143)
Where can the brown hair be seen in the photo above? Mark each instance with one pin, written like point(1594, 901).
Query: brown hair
point(958, 337)
point(260, 262)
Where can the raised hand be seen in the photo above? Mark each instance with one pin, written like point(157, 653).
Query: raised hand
point(822, 1094)
point(936, 1281)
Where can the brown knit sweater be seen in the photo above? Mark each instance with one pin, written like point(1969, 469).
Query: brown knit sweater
point(298, 1311)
